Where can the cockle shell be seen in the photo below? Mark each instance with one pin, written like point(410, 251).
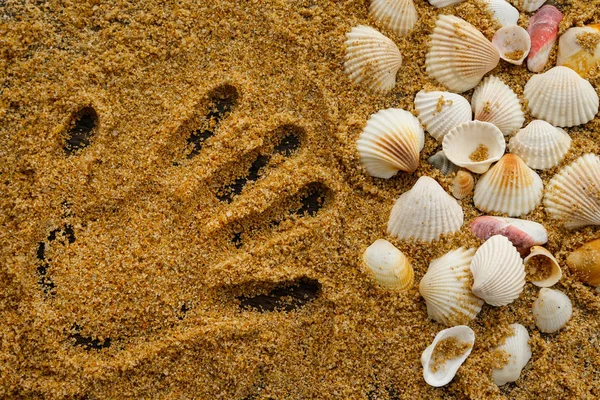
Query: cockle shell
point(509, 187)
point(446, 288)
point(513, 43)
point(441, 162)
point(439, 375)
point(579, 48)
point(459, 55)
point(585, 263)
point(551, 310)
point(519, 353)
point(444, 3)
point(522, 234)
point(540, 144)
point(542, 28)
point(391, 142)
point(441, 111)
point(546, 260)
point(425, 212)
point(531, 5)
point(372, 59)
point(573, 195)
point(503, 11)
point(498, 272)
point(462, 184)
point(399, 16)
point(390, 268)
point(493, 101)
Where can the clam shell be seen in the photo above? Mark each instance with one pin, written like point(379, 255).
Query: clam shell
point(509, 187)
point(513, 43)
point(372, 59)
point(503, 12)
point(446, 288)
point(498, 272)
point(551, 310)
point(521, 233)
point(389, 267)
point(585, 263)
point(519, 353)
point(462, 184)
point(543, 29)
point(573, 195)
point(544, 256)
point(391, 142)
point(399, 16)
point(540, 144)
point(439, 112)
point(561, 97)
point(425, 212)
point(571, 53)
point(531, 5)
point(459, 55)
point(444, 3)
point(441, 162)
point(493, 101)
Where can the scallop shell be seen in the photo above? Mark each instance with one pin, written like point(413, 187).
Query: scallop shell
point(543, 29)
point(551, 310)
point(509, 187)
point(425, 212)
point(561, 97)
point(522, 234)
point(503, 12)
point(372, 59)
point(391, 142)
point(399, 16)
point(531, 5)
point(573, 195)
point(498, 272)
point(439, 112)
point(459, 55)
point(441, 162)
point(585, 263)
point(466, 139)
point(390, 268)
point(444, 3)
point(546, 257)
point(519, 353)
point(438, 376)
point(493, 101)
point(462, 184)
point(571, 54)
point(540, 144)
point(513, 43)
point(446, 288)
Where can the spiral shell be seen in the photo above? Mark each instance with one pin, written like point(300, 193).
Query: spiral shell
point(462, 184)
point(540, 145)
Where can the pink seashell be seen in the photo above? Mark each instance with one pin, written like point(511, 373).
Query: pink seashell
point(522, 234)
point(543, 28)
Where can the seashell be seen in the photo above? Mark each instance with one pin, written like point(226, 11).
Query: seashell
point(521, 233)
point(372, 59)
point(441, 162)
point(442, 359)
point(531, 5)
point(474, 145)
point(444, 3)
point(446, 288)
point(399, 16)
point(573, 195)
point(439, 112)
point(391, 142)
point(462, 184)
point(509, 187)
point(543, 29)
point(493, 101)
point(498, 272)
point(425, 212)
point(503, 11)
point(585, 263)
point(540, 144)
point(390, 268)
point(459, 55)
point(513, 43)
point(551, 310)
point(542, 267)
point(579, 48)
point(519, 353)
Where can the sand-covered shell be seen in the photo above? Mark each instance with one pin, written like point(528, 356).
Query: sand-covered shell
point(573, 195)
point(513, 43)
point(540, 144)
point(372, 59)
point(459, 55)
point(561, 97)
point(543, 29)
point(390, 268)
point(446, 288)
point(493, 101)
point(585, 263)
point(531, 5)
point(498, 272)
point(509, 187)
point(438, 368)
point(521, 233)
point(541, 267)
point(579, 48)
point(462, 184)
point(441, 162)
point(519, 353)
point(399, 16)
point(444, 3)
point(391, 142)
point(425, 212)
point(503, 12)
point(551, 310)
point(439, 112)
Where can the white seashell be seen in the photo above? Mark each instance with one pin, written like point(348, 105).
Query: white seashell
point(493, 101)
point(439, 375)
point(522, 234)
point(462, 184)
point(572, 54)
point(444, 3)
point(540, 144)
point(441, 162)
point(441, 111)
point(561, 97)
point(425, 212)
point(389, 266)
point(498, 272)
point(519, 353)
point(372, 59)
point(540, 258)
point(399, 16)
point(503, 11)
point(446, 288)
point(573, 195)
point(551, 310)
point(531, 5)
point(509, 187)
point(459, 55)
point(391, 142)
point(474, 145)
point(513, 43)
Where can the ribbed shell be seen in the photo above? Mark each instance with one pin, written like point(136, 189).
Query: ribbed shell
point(522, 234)
point(493, 101)
point(444, 3)
point(531, 5)
point(441, 162)
point(399, 16)
point(540, 144)
point(462, 184)
point(555, 273)
point(542, 28)
point(551, 310)
point(503, 11)
point(439, 112)
point(572, 55)
point(513, 43)
point(519, 352)
point(585, 263)
point(390, 268)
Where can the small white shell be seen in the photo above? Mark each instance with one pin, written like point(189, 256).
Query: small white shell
point(391, 142)
point(444, 3)
point(503, 11)
point(399, 16)
point(561, 97)
point(522, 234)
point(555, 273)
point(372, 59)
point(531, 5)
point(572, 55)
point(493, 101)
point(540, 144)
point(389, 266)
point(519, 353)
point(425, 212)
point(462, 184)
point(551, 310)
point(441, 162)
point(439, 112)
point(513, 43)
